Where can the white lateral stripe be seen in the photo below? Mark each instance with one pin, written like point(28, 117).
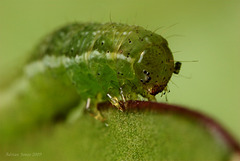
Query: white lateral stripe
point(52, 61)
point(141, 57)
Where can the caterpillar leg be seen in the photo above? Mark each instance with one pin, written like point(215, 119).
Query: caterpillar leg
point(115, 102)
point(121, 102)
point(165, 92)
point(91, 108)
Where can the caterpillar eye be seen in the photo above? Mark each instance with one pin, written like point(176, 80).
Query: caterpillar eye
point(177, 67)
point(146, 72)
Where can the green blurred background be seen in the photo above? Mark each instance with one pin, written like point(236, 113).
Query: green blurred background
point(205, 30)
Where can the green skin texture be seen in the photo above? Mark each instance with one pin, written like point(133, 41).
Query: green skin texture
point(146, 73)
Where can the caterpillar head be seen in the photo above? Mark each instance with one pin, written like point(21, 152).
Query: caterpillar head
point(154, 69)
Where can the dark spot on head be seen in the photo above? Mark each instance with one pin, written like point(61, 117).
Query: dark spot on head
point(151, 34)
point(157, 76)
point(141, 80)
point(102, 43)
point(162, 61)
point(72, 49)
point(128, 55)
point(149, 78)
point(121, 73)
point(144, 71)
point(108, 51)
point(129, 41)
point(141, 39)
point(147, 73)
point(98, 73)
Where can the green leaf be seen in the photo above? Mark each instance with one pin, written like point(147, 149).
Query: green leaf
point(136, 134)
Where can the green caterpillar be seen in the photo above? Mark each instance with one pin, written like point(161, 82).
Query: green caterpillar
point(109, 61)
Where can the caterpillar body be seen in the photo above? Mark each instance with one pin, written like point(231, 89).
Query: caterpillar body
point(113, 60)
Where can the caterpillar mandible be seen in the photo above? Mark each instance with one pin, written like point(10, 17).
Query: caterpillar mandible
point(113, 60)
